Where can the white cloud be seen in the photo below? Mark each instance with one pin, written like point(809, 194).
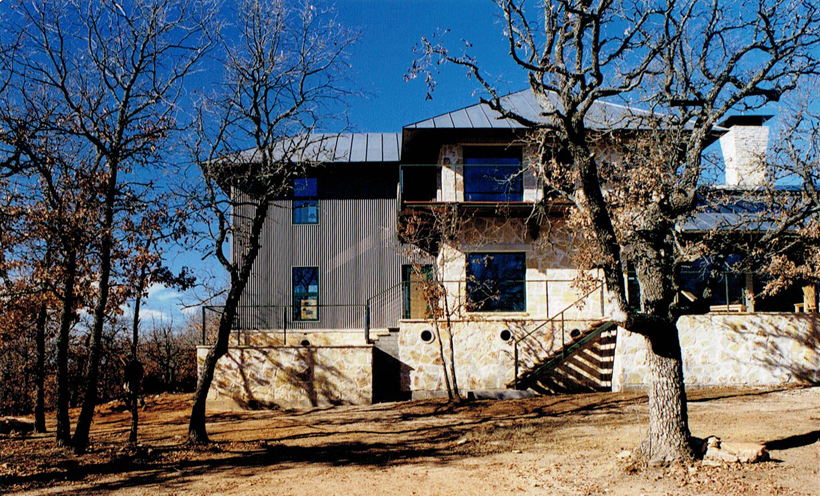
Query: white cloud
point(161, 292)
point(149, 315)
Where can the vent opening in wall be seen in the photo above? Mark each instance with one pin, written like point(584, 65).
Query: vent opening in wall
point(575, 333)
point(305, 342)
point(506, 335)
point(427, 336)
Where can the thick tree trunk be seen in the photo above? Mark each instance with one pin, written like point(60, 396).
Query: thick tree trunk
point(83, 427)
point(40, 370)
point(668, 437)
point(197, 431)
point(63, 435)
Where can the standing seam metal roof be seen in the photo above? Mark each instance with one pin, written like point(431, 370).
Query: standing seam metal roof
point(338, 148)
point(602, 115)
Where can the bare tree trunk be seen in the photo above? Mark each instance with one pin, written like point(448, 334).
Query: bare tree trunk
point(67, 315)
point(668, 438)
point(134, 377)
point(40, 370)
point(197, 431)
point(456, 393)
point(444, 371)
point(90, 400)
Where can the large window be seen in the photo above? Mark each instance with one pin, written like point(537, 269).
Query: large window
point(305, 202)
point(496, 282)
point(493, 174)
point(305, 293)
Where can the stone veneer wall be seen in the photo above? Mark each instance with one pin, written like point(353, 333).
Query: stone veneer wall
point(291, 377)
point(550, 273)
point(267, 338)
point(757, 349)
point(484, 361)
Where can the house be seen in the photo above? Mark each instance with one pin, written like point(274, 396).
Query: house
point(339, 306)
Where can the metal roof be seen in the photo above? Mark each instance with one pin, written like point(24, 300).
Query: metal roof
point(602, 115)
point(336, 148)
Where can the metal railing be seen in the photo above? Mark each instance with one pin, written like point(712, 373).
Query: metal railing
point(408, 299)
point(559, 317)
point(288, 318)
point(532, 299)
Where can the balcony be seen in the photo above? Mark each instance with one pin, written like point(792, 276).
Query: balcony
point(478, 187)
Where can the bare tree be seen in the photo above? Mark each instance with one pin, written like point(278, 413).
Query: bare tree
point(429, 232)
point(696, 60)
point(285, 71)
point(108, 77)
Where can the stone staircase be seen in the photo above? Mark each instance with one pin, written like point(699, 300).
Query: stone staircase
point(582, 365)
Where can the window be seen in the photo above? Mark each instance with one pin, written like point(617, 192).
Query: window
point(305, 202)
point(415, 282)
point(493, 174)
point(496, 282)
point(305, 293)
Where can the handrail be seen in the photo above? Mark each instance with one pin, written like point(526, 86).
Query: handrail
point(573, 347)
point(549, 320)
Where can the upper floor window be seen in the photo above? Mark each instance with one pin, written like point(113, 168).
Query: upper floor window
point(305, 201)
point(493, 174)
point(496, 282)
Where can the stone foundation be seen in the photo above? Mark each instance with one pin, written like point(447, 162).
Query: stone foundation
point(268, 338)
point(760, 349)
point(484, 360)
point(291, 377)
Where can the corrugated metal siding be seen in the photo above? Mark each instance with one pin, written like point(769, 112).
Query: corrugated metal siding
point(354, 245)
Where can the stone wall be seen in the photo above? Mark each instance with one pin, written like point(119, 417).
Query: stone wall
point(268, 338)
point(291, 377)
point(485, 361)
point(757, 349)
point(550, 276)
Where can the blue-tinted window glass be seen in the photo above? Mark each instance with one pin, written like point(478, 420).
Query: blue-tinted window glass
point(493, 179)
point(305, 211)
point(304, 187)
point(305, 204)
point(496, 282)
point(305, 293)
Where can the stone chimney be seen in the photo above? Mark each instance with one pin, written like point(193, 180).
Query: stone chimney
point(744, 150)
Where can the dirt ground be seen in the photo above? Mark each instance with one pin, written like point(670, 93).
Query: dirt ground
point(556, 445)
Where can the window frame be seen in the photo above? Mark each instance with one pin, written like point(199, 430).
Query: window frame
point(308, 200)
point(521, 305)
point(296, 314)
point(510, 187)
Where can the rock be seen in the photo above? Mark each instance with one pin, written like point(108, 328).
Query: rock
point(461, 441)
point(9, 425)
point(624, 455)
point(719, 455)
point(746, 452)
point(736, 452)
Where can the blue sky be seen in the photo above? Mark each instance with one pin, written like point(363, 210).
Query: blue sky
point(389, 30)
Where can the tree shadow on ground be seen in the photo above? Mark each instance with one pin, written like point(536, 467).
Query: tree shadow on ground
point(410, 432)
point(796, 441)
point(708, 395)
